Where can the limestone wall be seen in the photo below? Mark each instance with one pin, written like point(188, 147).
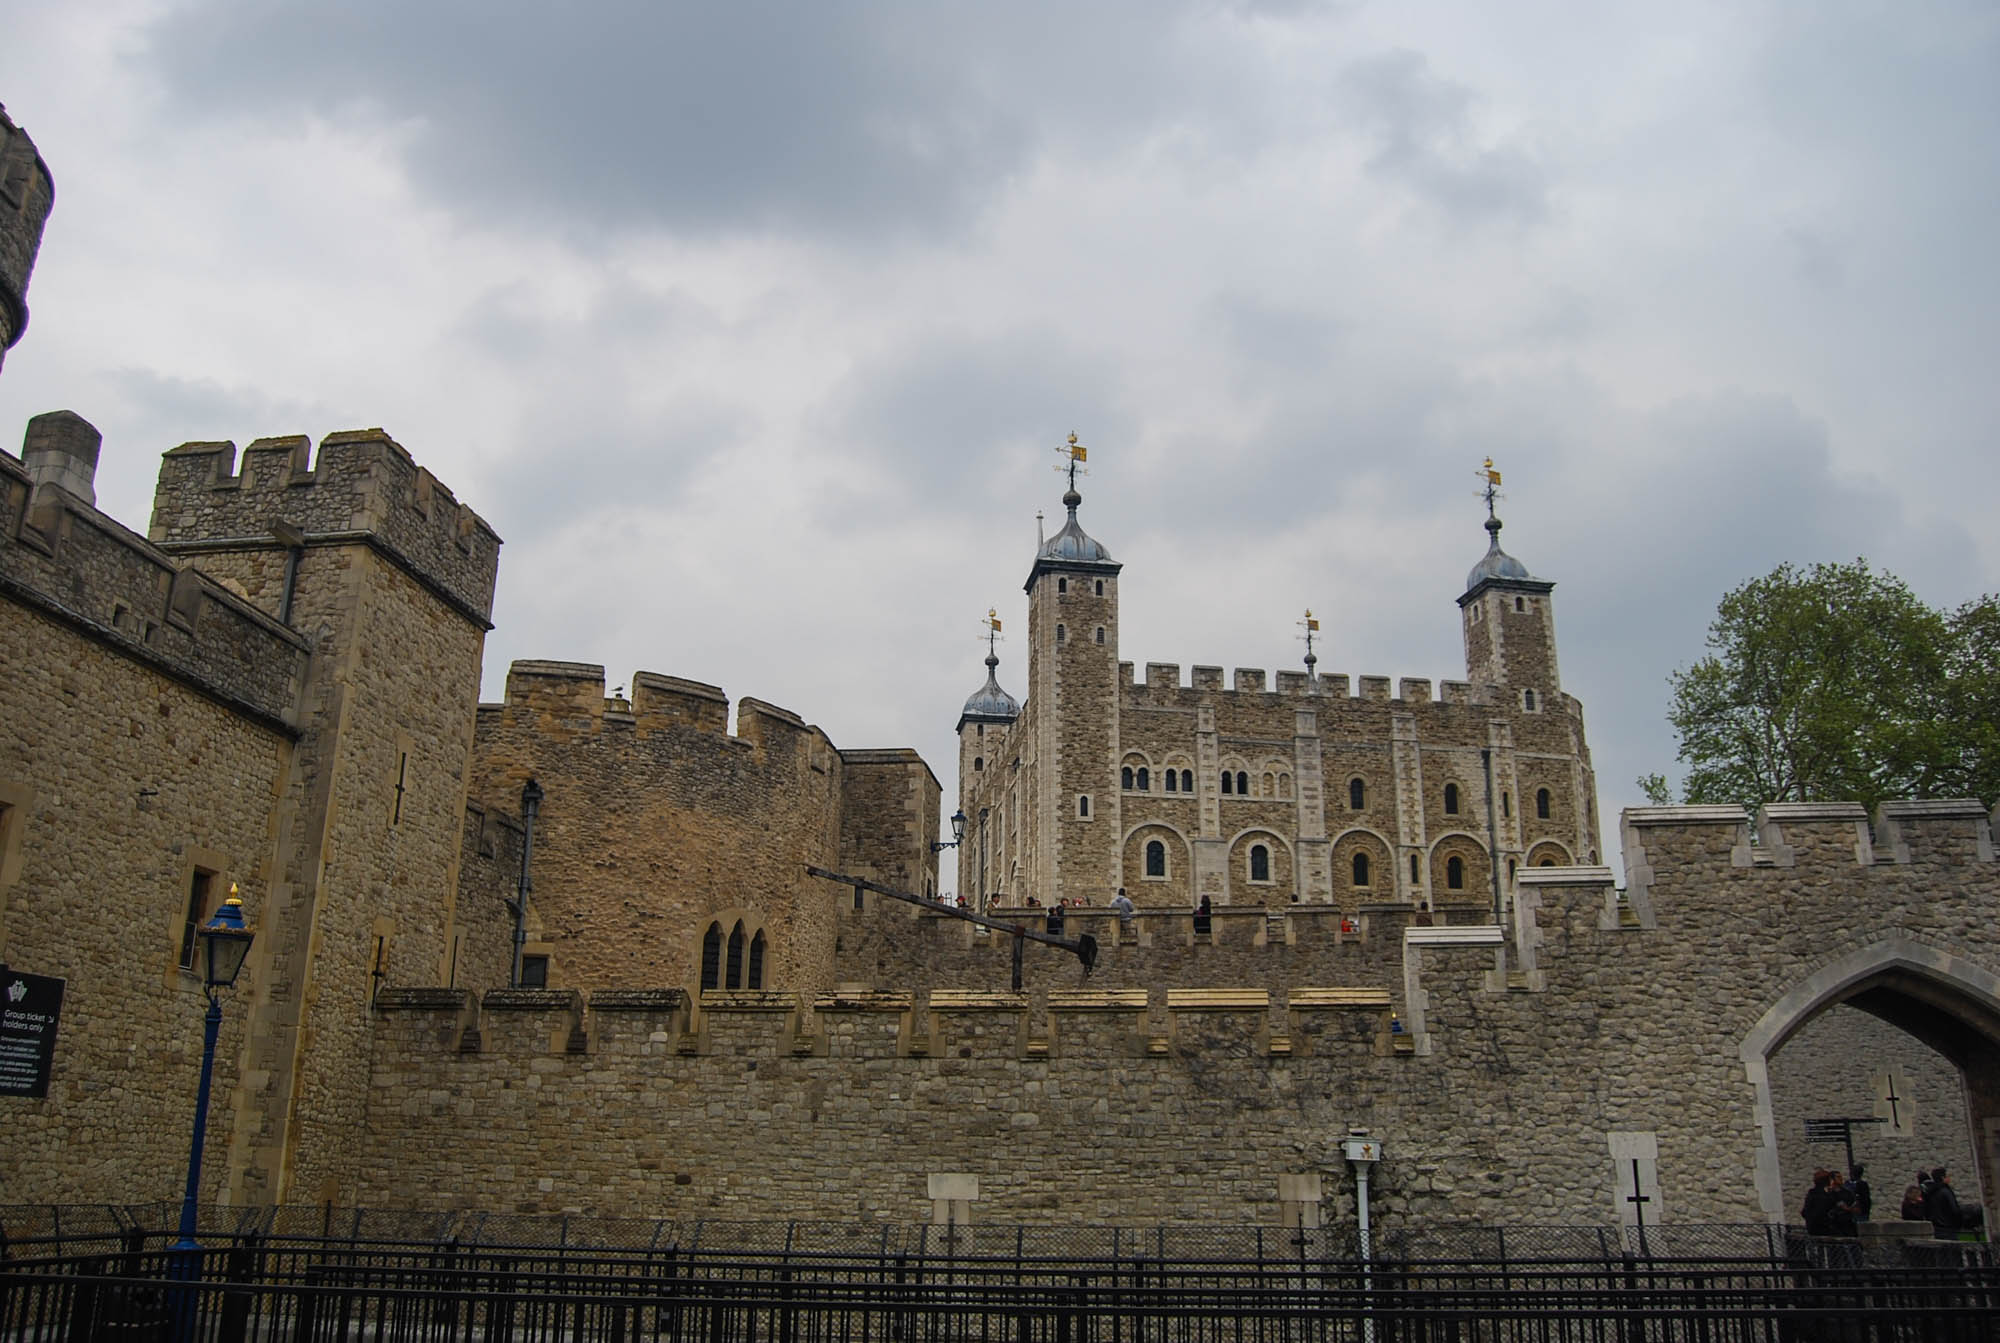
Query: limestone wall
point(656, 819)
point(116, 787)
point(889, 819)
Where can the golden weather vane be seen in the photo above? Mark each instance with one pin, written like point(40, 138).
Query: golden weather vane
point(992, 627)
point(1492, 490)
point(1074, 456)
point(1311, 627)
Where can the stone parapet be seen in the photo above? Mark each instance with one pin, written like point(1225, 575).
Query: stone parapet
point(363, 487)
point(59, 555)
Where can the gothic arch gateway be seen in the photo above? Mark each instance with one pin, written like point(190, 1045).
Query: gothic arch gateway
point(1943, 1000)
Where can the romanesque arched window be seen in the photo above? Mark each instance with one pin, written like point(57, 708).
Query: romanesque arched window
point(1260, 863)
point(1156, 858)
point(1360, 869)
point(978, 763)
point(1145, 780)
point(755, 979)
point(1228, 782)
point(711, 957)
point(1125, 778)
point(1083, 806)
point(733, 973)
point(1416, 877)
point(1100, 587)
point(1173, 781)
point(1270, 784)
point(1357, 794)
point(1454, 873)
point(1062, 585)
point(1546, 862)
point(1187, 781)
point(1242, 783)
point(1542, 803)
point(1062, 634)
point(1100, 634)
point(1284, 785)
point(1528, 700)
point(1451, 799)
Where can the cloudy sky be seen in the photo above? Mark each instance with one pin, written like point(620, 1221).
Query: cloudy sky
point(751, 327)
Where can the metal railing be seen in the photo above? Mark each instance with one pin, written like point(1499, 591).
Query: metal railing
point(273, 1274)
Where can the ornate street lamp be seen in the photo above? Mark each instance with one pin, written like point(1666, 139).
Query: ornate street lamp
point(225, 941)
point(957, 834)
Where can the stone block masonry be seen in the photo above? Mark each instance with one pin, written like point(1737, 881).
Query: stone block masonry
point(27, 193)
point(1529, 1054)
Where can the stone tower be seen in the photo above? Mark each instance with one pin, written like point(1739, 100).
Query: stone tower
point(1073, 703)
point(983, 730)
point(1509, 625)
point(389, 579)
point(27, 193)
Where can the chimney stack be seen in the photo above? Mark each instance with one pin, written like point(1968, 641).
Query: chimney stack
point(60, 448)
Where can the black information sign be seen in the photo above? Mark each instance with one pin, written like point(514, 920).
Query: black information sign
point(29, 1007)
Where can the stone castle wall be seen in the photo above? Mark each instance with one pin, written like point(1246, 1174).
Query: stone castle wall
point(1532, 1061)
point(656, 820)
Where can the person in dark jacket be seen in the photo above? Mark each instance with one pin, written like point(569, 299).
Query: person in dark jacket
point(1818, 1207)
point(1841, 1213)
point(1859, 1193)
point(1947, 1216)
point(1913, 1204)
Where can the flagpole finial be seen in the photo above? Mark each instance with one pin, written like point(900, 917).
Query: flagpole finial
point(1311, 627)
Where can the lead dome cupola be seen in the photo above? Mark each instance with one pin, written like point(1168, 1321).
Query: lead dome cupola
point(1072, 542)
point(1497, 563)
point(990, 703)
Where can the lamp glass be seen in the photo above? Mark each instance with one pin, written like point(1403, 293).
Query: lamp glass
point(958, 826)
point(227, 941)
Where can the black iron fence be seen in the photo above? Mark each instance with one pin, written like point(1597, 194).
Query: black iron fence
point(275, 1274)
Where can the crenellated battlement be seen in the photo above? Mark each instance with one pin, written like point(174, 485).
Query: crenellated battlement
point(1163, 685)
point(62, 557)
point(362, 486)
point(567, 699)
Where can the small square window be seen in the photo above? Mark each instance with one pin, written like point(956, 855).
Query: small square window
point(534, 972)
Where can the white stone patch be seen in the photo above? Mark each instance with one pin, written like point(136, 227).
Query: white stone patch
point(1635, 1179)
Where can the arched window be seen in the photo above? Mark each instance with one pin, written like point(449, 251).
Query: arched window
point(1284, 785)
point(1242, 783)
point(1125, 778)
point(978, 763)
point(756, 979)
point(1156, 858)
point(1542, 803)
point(733, 978)
point(711, 957)
point(1062, 634)
point(1528, 700)
point(1062, 585)
point(1173, 781)
point(1270, 784)
point(1360, 869)
point(1415, 878)
point(1357, 794)
point(1187, 781)
point(1451, 799)
point(1506, 804)
point(1228, 782)
point(1083, 805)
point(1454, 873)
point(1260, 863)
point(1100, 634)
point(1546, 862)
point(1145, 780)
point(1520, 603)
point(1100, 587)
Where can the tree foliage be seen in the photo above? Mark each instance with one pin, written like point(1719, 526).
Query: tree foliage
point(1836, 683)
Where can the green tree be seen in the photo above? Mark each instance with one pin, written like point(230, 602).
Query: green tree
point(1836, 683)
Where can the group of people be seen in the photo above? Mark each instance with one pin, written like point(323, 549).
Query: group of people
point(1837, 1203)
point(1932, 1199)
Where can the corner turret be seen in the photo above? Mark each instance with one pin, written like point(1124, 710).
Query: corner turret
point(1508, 620)
point(27, 194)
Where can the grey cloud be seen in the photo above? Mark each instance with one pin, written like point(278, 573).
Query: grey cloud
point(865, 121)
point(1423, 130)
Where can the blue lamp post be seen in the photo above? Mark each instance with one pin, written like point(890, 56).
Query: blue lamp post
point(225, 941)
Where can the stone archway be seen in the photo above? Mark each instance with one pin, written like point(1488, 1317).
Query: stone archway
point(1943, 1000)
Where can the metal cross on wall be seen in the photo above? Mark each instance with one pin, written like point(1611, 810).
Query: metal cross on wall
point(1637, 1198)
